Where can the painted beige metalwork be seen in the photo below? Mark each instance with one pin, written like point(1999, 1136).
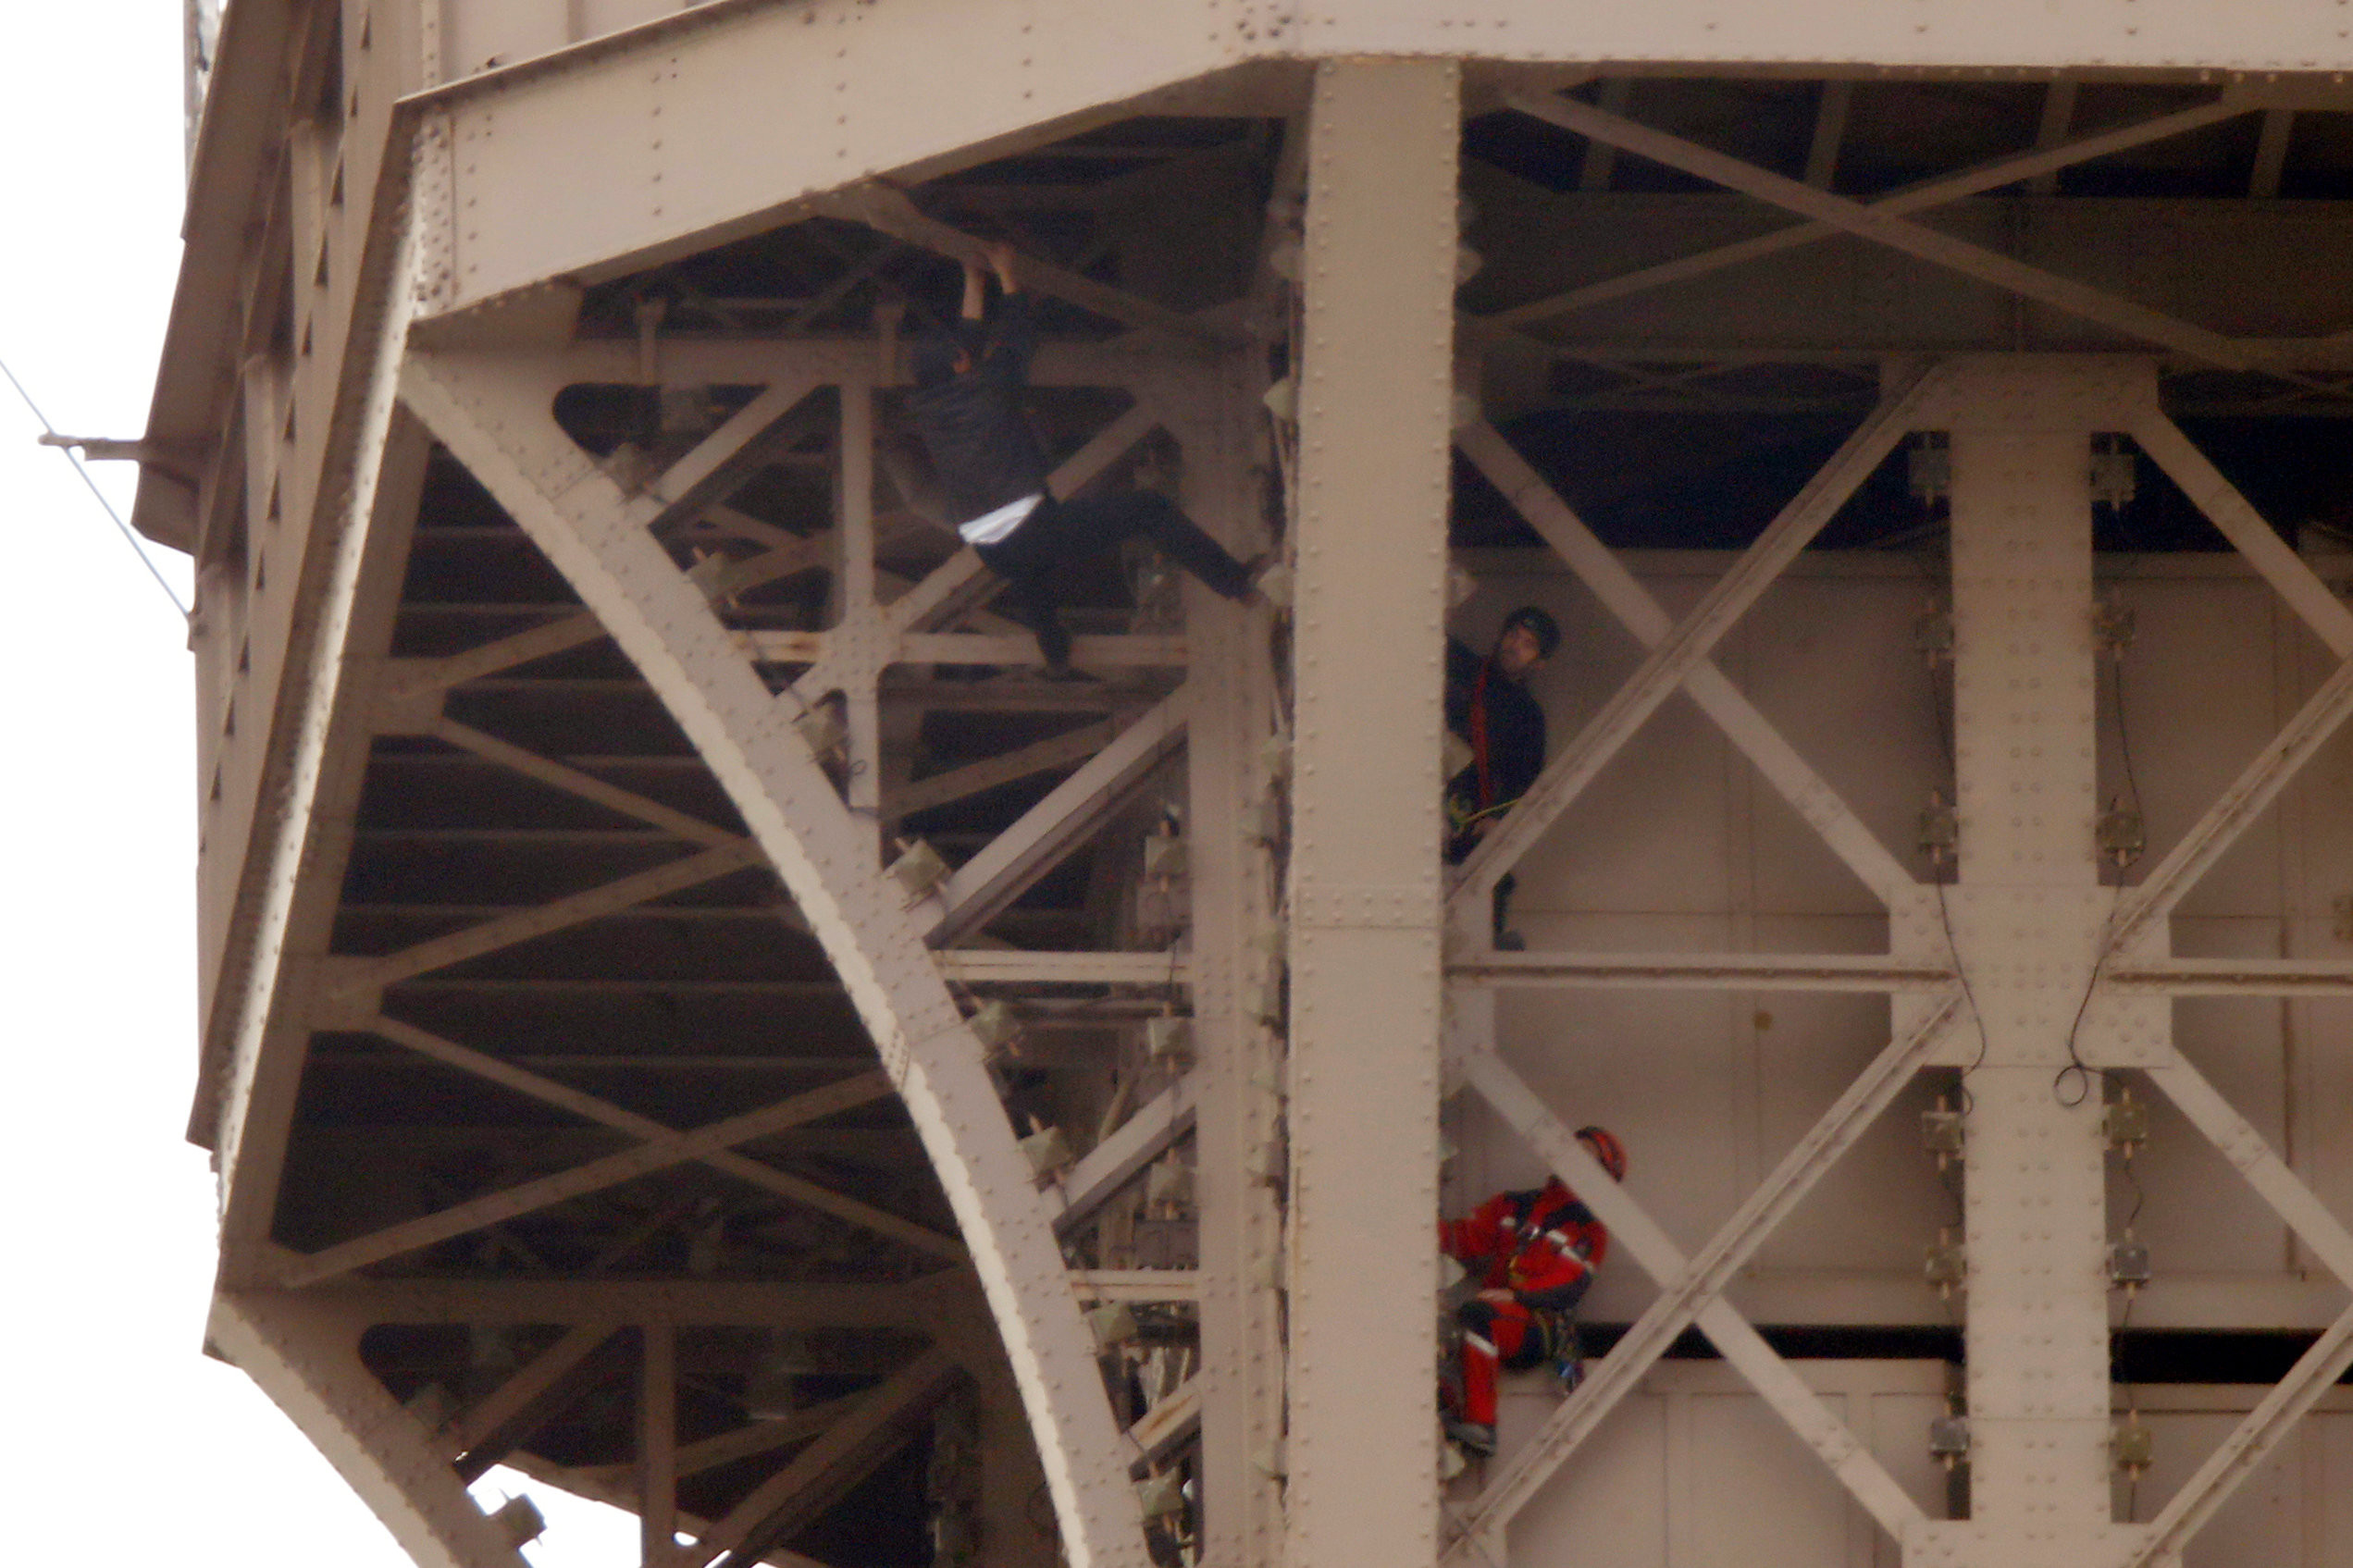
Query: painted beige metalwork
point(1375, 412)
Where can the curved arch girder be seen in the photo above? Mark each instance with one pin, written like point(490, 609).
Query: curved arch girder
point(303, 1353)
point(493, 413)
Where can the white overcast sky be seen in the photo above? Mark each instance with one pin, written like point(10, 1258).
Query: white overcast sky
point(120, 1441)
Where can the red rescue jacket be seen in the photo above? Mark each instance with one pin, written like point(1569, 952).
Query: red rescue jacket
point(1539, 1244)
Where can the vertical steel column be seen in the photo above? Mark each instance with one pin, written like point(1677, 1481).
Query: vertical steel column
point(2029, 916)
point(1364, 942)
point(1239, 1056)
point(658, 1441)
point(860, 613)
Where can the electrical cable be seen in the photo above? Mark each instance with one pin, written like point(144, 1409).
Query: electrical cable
point(2124, 742)
point(2076, 1067)
point(1940, 720)
point(1968, 994)
point(73, 457)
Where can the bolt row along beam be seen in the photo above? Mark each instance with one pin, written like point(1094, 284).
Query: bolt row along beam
point(1374, 421)
point(1234, 1090)
point(2027, 916)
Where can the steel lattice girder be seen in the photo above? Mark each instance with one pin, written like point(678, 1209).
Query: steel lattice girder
point(1681, 654)
point(495, 416)
point(2002, 398)
point(742, 74)
point(1689, 1287)
point(248, 1205)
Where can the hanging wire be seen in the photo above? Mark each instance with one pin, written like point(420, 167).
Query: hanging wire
point(73, 457)
point(1940, 722)
point(2076, 1068)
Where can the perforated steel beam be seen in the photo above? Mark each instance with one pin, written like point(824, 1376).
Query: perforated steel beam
point(1375, 412)
point(495, 417)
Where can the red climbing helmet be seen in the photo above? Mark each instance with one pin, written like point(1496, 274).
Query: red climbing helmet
point(1603, 1145)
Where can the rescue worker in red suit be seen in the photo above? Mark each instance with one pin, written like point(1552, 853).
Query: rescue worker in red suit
point(1534, 1252)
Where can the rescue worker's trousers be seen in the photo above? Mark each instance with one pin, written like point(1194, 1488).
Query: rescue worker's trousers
point(1498, 1329)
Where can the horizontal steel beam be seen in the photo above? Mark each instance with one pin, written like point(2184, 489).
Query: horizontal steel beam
point(888, 210)
point(975, 647)
point(2234, 977)
point(529, 202)
point(678, 1303)
point(1137, 1284)
point(991, 966)
point(1699, 972)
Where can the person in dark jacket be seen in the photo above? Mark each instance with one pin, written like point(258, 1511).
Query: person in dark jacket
point(1489, 709)
point(967, 406)
point(1534, 1252)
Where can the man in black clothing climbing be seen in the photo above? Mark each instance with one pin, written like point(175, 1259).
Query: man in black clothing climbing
point(967, 405)
point(1490, 711)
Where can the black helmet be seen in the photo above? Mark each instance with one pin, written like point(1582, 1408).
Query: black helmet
point(1547, 630)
